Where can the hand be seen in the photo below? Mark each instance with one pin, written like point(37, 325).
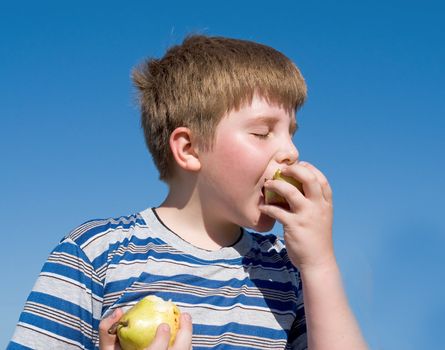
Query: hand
point(307, 223)
point(183, 339)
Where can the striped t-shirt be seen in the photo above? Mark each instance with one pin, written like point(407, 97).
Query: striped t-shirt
point(247, 296)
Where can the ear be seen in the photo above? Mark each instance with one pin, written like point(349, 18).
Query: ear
point(184, 149)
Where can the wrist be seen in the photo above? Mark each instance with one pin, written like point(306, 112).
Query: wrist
point(326, 266)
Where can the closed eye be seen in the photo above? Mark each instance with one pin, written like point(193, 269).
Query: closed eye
point(261, 136)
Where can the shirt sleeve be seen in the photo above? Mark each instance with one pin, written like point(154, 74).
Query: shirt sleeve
point(64, 307)
point(297, 339)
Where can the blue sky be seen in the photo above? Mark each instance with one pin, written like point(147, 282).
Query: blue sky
point(71, 147)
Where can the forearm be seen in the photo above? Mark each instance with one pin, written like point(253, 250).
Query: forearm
point(330, 321)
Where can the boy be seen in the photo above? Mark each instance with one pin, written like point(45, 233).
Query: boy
point(218, 116)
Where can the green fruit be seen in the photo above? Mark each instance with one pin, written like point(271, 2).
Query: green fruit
point(137, 327)
point(271, 197)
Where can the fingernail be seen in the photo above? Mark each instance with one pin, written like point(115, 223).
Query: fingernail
point(164, 327)
point(187, 317)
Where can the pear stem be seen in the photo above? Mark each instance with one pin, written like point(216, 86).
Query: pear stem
point(114, 327)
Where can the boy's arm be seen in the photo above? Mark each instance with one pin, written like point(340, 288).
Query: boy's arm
point(63, 309)
point(307, 225)
point(330, 321)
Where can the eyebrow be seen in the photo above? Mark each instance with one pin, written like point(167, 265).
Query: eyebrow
point(293, 127)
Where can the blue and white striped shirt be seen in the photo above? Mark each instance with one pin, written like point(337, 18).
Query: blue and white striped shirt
point(247, 296)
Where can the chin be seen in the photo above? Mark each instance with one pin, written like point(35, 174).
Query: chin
point(263, 224)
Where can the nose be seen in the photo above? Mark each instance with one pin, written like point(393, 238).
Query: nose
point(288, 154)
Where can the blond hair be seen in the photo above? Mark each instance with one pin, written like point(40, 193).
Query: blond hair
point(202, 79)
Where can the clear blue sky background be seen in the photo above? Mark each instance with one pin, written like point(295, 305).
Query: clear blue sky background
point(71, 147)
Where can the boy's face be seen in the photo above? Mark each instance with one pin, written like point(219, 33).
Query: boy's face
point(250, 144)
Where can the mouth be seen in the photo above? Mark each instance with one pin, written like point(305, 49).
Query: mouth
point(263, 189)
point(271, 198)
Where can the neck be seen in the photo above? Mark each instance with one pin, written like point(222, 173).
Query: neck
point(184, 213)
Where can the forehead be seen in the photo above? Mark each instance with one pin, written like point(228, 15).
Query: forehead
point(260, 110)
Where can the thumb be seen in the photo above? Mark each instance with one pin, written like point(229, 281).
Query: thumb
point(161, 339)
point(108, 341)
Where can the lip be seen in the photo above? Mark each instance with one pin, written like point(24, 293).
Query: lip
point(261, 185)
point(262, 199)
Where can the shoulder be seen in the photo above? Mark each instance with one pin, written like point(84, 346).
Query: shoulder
point(95, 229)
point(97, 237)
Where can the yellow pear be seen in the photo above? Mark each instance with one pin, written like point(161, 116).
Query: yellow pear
point(137, 327)
point(271, 197)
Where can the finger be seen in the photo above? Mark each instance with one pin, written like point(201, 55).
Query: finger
point(274, 212)
point(184, 336)
point(325, 186)
point(311, 186)
point(291, 194)
point(108, 341)
point(161, 339)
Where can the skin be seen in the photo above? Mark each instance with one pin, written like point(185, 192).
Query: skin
point(225, 184)
point(221, 189)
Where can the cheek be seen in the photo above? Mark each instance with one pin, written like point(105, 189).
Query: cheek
point(242, 156)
